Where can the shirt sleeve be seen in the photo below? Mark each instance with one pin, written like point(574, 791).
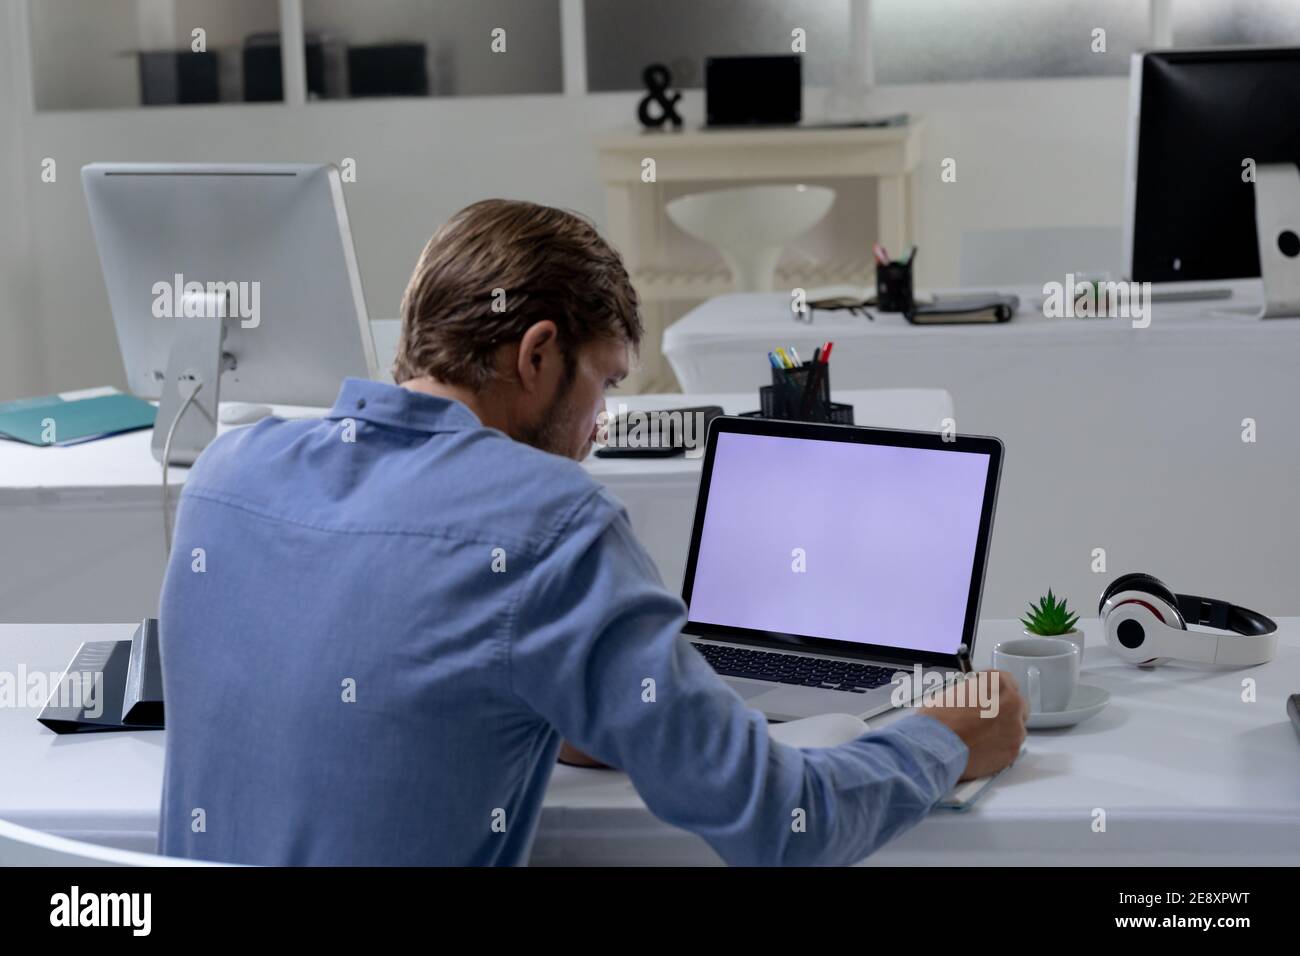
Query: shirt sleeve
point(595, 650)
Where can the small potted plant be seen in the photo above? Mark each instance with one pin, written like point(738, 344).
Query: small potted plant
point(1051, 618)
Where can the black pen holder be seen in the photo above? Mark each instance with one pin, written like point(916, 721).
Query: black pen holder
point(802, 394)
point(894, 286)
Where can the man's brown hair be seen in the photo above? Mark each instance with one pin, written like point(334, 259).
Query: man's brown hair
point(495, 269)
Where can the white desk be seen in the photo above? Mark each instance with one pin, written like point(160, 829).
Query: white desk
point(1118, 438)
point(81, 535)
point(1187, 773)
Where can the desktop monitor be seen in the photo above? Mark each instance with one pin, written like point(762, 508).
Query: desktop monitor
point(861, 542)
point(231, 280)
point(1195, 116)
point(753, 90)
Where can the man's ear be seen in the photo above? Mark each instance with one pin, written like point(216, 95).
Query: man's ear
point(538, 351)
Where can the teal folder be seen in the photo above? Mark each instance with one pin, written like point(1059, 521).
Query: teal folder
point(51, 420)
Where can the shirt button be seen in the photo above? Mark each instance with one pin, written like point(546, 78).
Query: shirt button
point(361, 403)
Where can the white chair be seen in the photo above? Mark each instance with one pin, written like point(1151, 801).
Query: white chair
point(751, 225)
point(21, 846)
point(1010, 257)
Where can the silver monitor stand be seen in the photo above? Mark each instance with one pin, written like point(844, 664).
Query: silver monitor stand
point(191, 389)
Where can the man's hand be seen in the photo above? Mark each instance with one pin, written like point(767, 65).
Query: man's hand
point(574, 757)
point(993, 741)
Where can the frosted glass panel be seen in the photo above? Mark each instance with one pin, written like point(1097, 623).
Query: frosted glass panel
point(923, 41)
point(97, 54)
point(625, 36)
point(432, 47)
point(1224, 22)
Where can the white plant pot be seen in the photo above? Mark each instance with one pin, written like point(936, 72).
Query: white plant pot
point(1074, 635)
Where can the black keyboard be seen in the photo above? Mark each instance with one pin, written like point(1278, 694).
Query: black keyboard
point(795, 668)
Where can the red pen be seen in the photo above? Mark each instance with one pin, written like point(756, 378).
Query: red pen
point(826, 352)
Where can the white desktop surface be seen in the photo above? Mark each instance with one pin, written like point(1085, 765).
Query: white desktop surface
point(742, 322)
point(81, 526)
point(1186, 772)
point(125, 463)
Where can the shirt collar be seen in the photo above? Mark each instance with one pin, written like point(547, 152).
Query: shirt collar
point(399, 407)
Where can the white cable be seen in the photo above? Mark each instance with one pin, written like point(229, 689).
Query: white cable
point(166, 460)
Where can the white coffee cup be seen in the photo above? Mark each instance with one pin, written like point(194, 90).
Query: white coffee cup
point(1046, 668)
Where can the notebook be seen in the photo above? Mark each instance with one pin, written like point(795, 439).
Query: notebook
point(965, 310)
point(74, 417)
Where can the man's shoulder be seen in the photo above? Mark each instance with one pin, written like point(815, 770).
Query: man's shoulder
point(558, 486)
point(478, 485)
point(234, 458)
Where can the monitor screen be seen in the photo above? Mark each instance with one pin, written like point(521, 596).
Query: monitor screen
point(1201, 115)
point(840, 540)
point(753, 90)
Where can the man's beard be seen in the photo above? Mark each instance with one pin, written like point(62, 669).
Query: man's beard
point(554, 431)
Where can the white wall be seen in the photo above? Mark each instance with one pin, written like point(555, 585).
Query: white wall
point(1028, 153)
point(21, 352)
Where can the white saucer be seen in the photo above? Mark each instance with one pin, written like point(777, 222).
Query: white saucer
point(1086, 701)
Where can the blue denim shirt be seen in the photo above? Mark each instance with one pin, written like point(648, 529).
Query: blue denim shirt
point(377, 626)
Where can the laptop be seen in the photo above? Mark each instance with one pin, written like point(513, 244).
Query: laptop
point(824, 559)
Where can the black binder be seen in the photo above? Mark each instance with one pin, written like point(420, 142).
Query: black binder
point(109, 685)
point(965, 310)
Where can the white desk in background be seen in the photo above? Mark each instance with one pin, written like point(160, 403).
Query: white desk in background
point(1186, 772)
point(81, 536)
point(1122, 439)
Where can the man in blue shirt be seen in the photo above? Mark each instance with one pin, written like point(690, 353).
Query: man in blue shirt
point(378, 626)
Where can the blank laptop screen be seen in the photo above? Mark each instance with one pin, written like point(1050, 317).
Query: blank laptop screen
point(845, 541)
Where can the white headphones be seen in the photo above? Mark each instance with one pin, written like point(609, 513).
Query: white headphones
point(1146, 623)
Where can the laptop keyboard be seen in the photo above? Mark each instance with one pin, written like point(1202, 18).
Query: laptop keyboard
point(795, 668)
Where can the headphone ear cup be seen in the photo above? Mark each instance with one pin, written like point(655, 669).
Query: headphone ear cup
point(1119, 584)
point(1153, 585)
point(1127, 626)
point(1141, 581)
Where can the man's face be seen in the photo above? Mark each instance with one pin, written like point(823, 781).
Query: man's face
point(567, 424)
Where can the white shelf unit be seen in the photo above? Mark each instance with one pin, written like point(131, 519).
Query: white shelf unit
point(886, 158)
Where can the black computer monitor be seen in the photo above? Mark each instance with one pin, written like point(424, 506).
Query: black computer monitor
point(753, 90)
point(1195, 115)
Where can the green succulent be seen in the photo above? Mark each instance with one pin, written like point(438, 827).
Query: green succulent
point(1049, 617)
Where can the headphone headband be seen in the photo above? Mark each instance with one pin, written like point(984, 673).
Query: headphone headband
point(1224, 616)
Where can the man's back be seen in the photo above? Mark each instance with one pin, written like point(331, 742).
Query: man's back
point(376, 627)
point(335, 632)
